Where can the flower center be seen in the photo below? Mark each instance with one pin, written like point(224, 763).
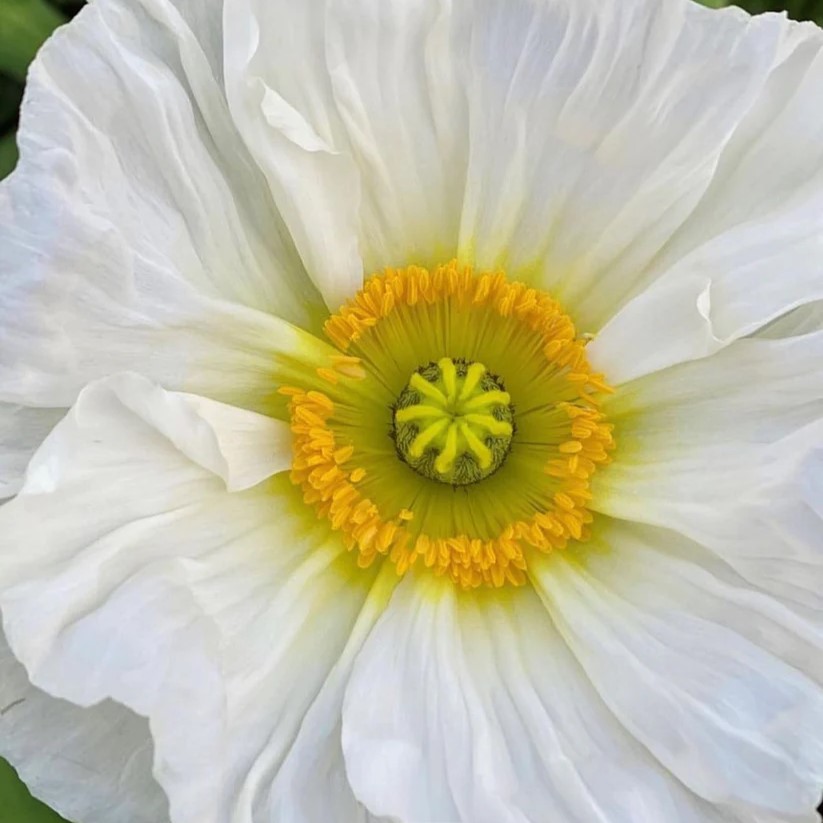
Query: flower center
point(456, 486)
point(453, 422)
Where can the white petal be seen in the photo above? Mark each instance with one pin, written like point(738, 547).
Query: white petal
point(312, 778)
point(92, 765)
point(727, 451)
point(761, 516)
point(71, 319)
point(183, 195)
point(660, 569)
point(283, 117)
point(756, 232)
point(569, 143)
point(127, 247)
point(685, 674)
point(668, 323)
point(754, 392)
point(802, 320)
point(251, 447)
point(761, 217)
point(46, 356)
point(595, 130)
point(361, 145)
point(470, 707)
point(394, 71)
point(22, 430)
point(241, 447)
point(217, 615)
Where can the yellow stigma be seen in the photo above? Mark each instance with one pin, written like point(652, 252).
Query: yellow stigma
point(453, 422)
point(501, 427)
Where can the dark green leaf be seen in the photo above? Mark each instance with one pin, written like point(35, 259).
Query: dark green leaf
point(8, 160)
point(24, 25)
point(10, 94)
point(17, 805)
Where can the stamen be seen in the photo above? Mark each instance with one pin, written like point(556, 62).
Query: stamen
point(453, 425)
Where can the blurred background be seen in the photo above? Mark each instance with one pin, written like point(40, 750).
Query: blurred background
point(24, 25)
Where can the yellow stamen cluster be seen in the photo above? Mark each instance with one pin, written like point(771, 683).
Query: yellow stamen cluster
point(327, 469)
point(383, 293)
point(321, 468)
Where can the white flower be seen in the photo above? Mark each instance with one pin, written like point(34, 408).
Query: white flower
point(398, 554)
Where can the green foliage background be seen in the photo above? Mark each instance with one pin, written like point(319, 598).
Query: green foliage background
point(24, 25)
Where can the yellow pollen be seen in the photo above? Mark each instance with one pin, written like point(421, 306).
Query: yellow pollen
point(453, 416)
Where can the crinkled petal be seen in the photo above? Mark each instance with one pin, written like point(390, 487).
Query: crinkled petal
point(587, 147)
point(599, 137)
point(754, 236)
point(752, 393)
point(50, 346)
point(311, 779)
point(182, 195)
point(804, 319)
point(220, 616)
point(728, 451)
point(22, 430)
point(361, 145)
point(127, 247)
point(92, 764)
point(701, 671)
point(286, 130)
point(760, 514)
point(470, 707)
point(668, 323)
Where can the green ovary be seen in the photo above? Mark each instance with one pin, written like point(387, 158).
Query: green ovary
point(453, 422)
